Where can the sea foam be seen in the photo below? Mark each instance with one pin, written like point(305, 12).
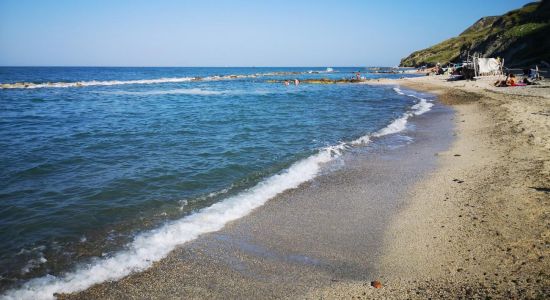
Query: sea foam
point(399, 124)
point(398, 90)
point(422, 106)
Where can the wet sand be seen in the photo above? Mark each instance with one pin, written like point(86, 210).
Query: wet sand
point(478, 227)
point(327, 231)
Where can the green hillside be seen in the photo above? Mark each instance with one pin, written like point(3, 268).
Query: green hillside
point(521, 37)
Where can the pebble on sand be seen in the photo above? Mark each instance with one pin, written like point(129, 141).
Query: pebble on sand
point(376, 284)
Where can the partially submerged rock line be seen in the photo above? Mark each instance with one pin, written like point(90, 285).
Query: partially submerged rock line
point(35, 85)
point(322, 81)
point(477, 227)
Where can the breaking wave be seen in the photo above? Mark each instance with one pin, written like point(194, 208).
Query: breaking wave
point(398, 90)
point(399, 124)
point(29, 85)
point(154, 245)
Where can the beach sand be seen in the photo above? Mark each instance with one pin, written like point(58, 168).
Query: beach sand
point(478, 227)
point(461, 211)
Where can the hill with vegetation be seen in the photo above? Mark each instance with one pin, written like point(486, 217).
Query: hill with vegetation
point(521, 37)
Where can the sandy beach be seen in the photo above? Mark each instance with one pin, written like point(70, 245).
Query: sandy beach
point(477, 227)
point(275, 150)
point(460, 212)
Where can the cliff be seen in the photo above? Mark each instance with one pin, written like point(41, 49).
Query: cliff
point(521, 37)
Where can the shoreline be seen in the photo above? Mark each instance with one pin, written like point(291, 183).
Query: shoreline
point(474, 225)
point(478, 226)
point(326, 230)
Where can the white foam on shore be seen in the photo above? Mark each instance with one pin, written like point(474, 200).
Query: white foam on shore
point(361, 141)
point(154, 245)
point(398, 90)
point(400, 124)
point(396, 126)
point(423, 106)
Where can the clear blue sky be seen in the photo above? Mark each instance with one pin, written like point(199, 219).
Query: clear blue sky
point(230, 33)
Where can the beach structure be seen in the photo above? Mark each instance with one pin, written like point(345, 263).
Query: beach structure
point(487, 66)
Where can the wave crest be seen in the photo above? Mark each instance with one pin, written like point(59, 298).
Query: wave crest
point(399, 124)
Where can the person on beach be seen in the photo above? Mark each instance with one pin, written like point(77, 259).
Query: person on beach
point(437, 70)
point(358, 75)
point(502, 83)
point(296, 82)
point(511, 80)
point(286, 83)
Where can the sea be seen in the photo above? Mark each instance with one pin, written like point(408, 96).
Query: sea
point(104, 171)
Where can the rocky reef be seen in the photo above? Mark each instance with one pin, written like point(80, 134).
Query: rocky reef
point(321, 81)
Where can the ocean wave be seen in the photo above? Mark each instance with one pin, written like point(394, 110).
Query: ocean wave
point(396, 126)
point(399, 124)
point(361, 141)
point(423, 106)
point(154, 245)
point(30, 85)
point(327, 70)
point(398, 90)
point(195, 91)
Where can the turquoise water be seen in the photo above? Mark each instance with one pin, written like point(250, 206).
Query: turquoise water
point(92, 158)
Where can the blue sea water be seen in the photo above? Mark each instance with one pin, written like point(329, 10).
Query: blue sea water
point(95, 160)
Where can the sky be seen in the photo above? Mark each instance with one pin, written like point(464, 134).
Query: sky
point(230, 33)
